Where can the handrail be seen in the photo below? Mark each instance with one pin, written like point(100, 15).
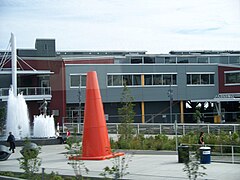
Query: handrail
point(27, 91)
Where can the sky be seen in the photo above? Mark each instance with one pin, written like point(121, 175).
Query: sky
point(156, 26)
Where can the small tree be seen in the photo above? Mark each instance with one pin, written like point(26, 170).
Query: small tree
point(126, 114)
point(192, 167)
point(119, 167)
point(30, 162)
point(75, 150)
point(197, 116)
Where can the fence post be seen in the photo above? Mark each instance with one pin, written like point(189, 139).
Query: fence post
point(43, 173)
point(234, 128)
point(117, 128)
point(208, 129)
point(63, 124)
point(232, 154)
point(183, 129)
point(138, 128)
point(160, 126)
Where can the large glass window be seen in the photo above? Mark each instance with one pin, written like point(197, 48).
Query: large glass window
point(137, 80)
point(148, 79)
point(136, 60)
point(75, 80)
point(232, 78)
point(149, 60)
point(117, 80)
point(186, 60)
point(219, 59)
point(160, 60)
point(127, 80)
point(202, 59)
point(200, 79)
point(170, 60)
point(157, 79)
point(167, 79)
point(234, 60)
point(110, 80)
point(120, 80)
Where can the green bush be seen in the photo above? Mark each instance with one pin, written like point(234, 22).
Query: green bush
point(163, 142)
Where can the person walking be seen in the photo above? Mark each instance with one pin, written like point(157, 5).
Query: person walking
point(201, 141)
point(11, 140)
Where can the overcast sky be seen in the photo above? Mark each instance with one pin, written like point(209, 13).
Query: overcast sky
point(157, 26)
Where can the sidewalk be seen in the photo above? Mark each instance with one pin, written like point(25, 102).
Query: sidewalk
point(142, 166)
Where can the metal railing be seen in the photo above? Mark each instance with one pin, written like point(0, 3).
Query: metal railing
point(164, 128)
point(27, 91)
point(221, 153)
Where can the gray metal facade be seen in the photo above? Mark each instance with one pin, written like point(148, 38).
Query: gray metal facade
point(147, 93)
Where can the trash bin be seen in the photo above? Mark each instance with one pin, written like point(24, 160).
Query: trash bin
point(183, 153)
point(205, 155)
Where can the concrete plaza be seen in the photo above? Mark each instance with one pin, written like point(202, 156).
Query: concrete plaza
point(160, 165)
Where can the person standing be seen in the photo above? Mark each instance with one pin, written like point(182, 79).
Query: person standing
point(68, 133)
point(201, 141)
point(11, 140)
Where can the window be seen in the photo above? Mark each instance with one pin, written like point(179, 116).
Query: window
point(170, 60)
point(75, 80)
point(148, 60)
point(202, 59)
point(186, 60)
point(136, 80)
point(127, 80)
point(117, 80)
point(148, 80)
point(219, 59)
point(160, 79)
point(110, 80)
point(157, 79)
point(234, 60)
point(160, 60)
point(136, 60)
point(166, 79)
point(200, 79)
point(232, 78)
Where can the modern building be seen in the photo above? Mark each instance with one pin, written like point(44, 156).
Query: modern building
point(165, 87)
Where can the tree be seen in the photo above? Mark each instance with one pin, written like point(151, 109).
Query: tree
point(197, 116)
point(30, 162)
point(126, 114)
point(74, 148)
point(193, 166)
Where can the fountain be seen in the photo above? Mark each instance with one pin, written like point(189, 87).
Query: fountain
point(18, 120)
point(17, 116)
point(43, 126)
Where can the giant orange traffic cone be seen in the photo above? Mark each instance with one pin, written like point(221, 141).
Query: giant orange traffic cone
point(96, 144)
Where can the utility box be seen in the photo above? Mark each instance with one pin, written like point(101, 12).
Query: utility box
point(183, 153)
point(205, 155)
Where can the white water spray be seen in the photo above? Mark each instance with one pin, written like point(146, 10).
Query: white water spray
point(18, 120)
point(43, 126)
point(17, 116)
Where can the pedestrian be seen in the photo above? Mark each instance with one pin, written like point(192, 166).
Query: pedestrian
point(11, 140)
point(68, 133)
point(58, 136)
point(201, 141)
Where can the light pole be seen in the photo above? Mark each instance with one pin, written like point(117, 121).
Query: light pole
point(170, 95)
